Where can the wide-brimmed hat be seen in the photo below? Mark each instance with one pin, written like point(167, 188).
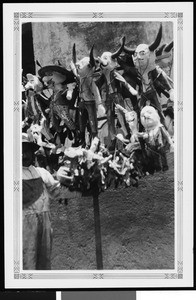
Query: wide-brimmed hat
point(55, 68)
point(27, 140)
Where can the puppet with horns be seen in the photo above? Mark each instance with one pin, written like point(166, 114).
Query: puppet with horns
point(90, 102)
point(154, 81)
point(114, 81)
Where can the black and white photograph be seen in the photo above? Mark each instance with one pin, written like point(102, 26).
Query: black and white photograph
point(99, 167)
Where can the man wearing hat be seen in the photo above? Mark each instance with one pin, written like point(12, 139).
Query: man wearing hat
point(39, 187)
point(57, 78)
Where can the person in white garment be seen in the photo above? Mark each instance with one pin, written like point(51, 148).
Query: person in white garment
point(39, 187)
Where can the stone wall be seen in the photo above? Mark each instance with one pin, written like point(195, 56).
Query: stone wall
point(53, 41)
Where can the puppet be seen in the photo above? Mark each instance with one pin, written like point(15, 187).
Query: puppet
point(156, 137)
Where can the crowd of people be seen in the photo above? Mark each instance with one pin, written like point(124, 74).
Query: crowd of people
point(106, 121)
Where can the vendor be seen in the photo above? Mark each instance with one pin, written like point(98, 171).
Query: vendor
point(39, 187)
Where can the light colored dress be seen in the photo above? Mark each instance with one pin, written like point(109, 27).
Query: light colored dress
point(38, 186)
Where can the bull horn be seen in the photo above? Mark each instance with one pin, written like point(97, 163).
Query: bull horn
point(74, 53)
point(169, 47)
point(160, 50)
point(92, 60)
point(128, 50)
point(157, 41)
point(118, 52)
point(38, 64)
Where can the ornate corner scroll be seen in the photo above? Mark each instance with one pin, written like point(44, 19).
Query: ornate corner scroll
point(18, 275)
point(180, 269)
point(178, 15)
point(26, 15)
point(16, 21)
point(180, 186)
point(16, 106)
point(98, 276)
point(97, 15)
point(18, 15)
point(16, 185)
point(180, 105)
point(179, 274)
point(170, 15)
point(180, 21)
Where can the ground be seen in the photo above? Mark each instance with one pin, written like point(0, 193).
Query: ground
point(137, 227)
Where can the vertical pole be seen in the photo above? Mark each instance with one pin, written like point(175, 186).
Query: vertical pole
point(98, 244)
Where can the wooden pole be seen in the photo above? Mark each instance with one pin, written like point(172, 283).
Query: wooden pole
point(99, 258)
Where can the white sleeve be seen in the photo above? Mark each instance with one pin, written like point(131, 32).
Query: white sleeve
point(48, 179)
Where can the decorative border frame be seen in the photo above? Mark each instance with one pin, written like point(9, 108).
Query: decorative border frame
point(177, 273)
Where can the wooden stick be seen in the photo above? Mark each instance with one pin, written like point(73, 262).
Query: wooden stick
point(98, 244)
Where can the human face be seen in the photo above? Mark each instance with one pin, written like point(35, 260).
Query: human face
point(27, 155)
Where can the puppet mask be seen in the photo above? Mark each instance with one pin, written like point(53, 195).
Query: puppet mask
point(131, 119)
point(143, 57)
point(149, 117)
point(33, 83)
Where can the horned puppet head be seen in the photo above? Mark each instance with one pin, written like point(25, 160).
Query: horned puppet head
point(164, 51)
point(108, 59)
point(33, 83)
point(164, 56)
point(144, 55)
point(85, 63)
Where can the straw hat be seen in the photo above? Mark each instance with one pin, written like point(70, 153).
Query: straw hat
point(55, 68)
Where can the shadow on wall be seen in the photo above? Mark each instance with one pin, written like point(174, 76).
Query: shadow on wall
point(28, 63)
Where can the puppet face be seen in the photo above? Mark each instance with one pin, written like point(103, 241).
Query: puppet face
point(107, 62)
point(33, 83)
point(143, 57)
point(36, 131)
point(149, 117)
point(131, 119)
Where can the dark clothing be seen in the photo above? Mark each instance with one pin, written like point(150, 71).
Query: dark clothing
point(87, 112)
point(59, 110)
point(111, 100)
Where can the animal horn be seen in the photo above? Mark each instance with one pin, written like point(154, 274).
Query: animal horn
point(74, 53)
point(118, 52)
point(160, 50)
point(157, 41)
point(169, 47)
point(92, 60)
point(38, 64)
point(128, 50)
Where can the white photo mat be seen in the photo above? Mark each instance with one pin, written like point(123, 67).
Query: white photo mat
point(181, 16)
